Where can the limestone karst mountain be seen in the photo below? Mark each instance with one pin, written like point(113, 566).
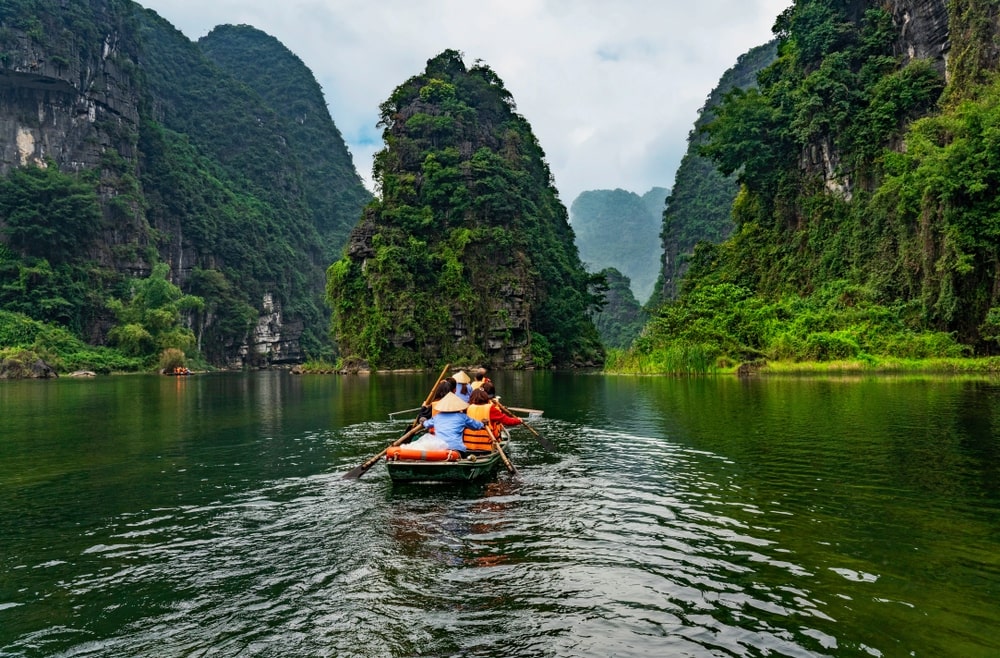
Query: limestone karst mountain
point(621, 230)
point(195, 161)
point(468, 256)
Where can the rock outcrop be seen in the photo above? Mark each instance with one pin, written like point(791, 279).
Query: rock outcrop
point(468, 256)
point(923, 29)
point(26, 365)
point(67, 100)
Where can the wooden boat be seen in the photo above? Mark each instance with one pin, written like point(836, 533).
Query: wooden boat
point(404, 466)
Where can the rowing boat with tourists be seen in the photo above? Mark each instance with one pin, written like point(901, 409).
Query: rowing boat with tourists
point(459, 435)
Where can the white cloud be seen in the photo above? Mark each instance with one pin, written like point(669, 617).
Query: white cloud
point(611, 89)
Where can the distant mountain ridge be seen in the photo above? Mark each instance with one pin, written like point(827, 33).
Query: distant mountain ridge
point(621, 230)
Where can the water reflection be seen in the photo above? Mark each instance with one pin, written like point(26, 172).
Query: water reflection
point(453, 525)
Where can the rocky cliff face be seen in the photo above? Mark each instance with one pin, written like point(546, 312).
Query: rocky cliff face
point(468, 256)
point(198, 167)
point(924, 34)
point(923, 29)
point(64, 104)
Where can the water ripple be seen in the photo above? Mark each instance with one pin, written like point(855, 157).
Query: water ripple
point(623, 543)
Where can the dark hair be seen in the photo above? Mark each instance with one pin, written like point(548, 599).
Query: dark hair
point(452, 384)
point(481, 374)
point(465, 389)
point(489, 388)
point(479, 396)
point(443, 389)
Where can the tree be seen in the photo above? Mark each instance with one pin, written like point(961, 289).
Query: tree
point(150, 320)
point(48, 214)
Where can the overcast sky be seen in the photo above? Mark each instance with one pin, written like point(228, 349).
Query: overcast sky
point(611, 88)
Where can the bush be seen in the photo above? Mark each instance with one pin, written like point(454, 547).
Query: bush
point(830, 346)
point(17, 363)
point(171, 358)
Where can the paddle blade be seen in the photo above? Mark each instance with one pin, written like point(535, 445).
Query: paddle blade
point(542, 441)
point(356, 472)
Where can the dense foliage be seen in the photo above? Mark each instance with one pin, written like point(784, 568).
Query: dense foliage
point(233, 187)
point(23, 338)
point(468, 254)
point(622, 317)
point(149, 320)
point(718, 326)
point(241, 160)
point(861, 195)
point(330, 185)
point(619, 229)
point(699, 207)
point(48, 220)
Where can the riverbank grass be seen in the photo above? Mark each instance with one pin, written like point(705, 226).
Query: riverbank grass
point(697, 362)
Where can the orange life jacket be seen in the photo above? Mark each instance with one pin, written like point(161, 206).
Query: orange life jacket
point(478, 439)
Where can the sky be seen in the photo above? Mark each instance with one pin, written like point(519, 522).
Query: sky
point(611, 88)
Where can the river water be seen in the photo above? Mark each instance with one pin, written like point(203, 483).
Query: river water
point(207, 516)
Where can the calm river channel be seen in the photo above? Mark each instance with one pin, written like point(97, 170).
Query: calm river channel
point(207, 516)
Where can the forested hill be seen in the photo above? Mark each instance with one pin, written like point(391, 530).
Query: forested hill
point(331, 186)
point(621, 230)
point(468, 256)
point(700, 204)
point(866, 221)
point(211, 172)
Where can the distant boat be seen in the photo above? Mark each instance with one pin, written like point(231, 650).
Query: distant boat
point(177, 372)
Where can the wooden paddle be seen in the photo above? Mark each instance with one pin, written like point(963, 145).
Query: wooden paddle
point(510, 467)
point(545, 443)
point(358, 471)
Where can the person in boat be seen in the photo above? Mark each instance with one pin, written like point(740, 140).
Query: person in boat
point(462, 381)
point(448, 423)
point(480, 378)
point(482, 409)
point(444, 387)
point(490, 389)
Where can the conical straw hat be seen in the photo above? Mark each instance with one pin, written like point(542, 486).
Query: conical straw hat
point(451, 402)
point(461, 377)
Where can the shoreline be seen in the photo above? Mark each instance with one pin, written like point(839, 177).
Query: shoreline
point(983, 366)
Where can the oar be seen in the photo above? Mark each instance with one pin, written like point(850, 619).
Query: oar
point(545, 443)
point(358, 471)
point(503, 456)
point(404, 411)
point(530, 412)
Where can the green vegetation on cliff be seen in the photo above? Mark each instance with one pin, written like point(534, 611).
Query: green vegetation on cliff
point(622, 317)
point(699, 207)
point(216, 169)
point(866, 222)
point(468, 254)
point(332, 188)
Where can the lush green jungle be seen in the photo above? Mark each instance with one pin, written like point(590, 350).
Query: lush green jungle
point(699, 208)
point(467, 256)
point(884, 251)
point(621, 319)
point(228, 197)
point(621, 230)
